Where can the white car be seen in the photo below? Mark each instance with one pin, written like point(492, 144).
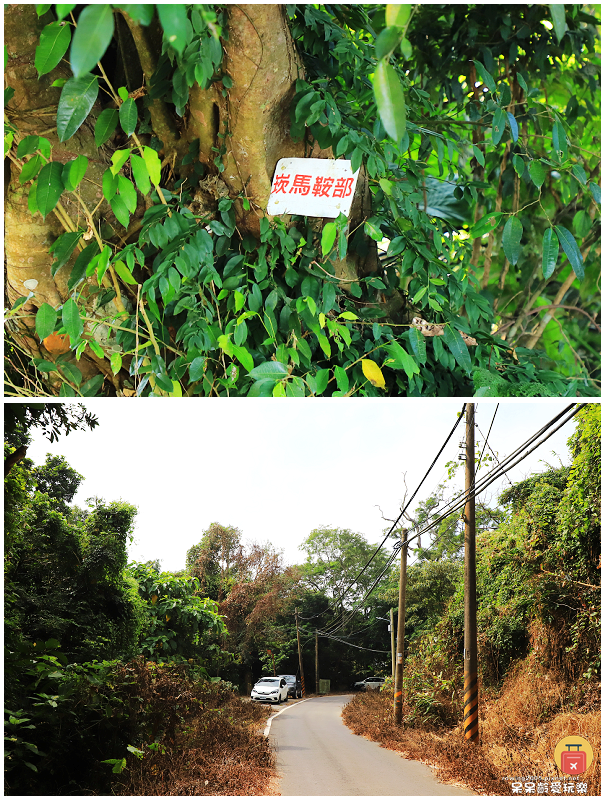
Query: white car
point(270, 690)
point(374, 683)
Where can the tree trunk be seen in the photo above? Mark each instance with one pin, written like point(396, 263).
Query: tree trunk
point(250, 121)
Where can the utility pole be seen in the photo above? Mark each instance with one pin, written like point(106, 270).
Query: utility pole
point(392, 642)
point(400, 634)
point(300, 653)
point(316, 665)
point(470, 646)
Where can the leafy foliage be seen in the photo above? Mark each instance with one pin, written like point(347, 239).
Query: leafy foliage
point(179, 624)
point(477, 146)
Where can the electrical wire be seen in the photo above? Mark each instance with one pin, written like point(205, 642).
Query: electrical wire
point(477, 488)
point(486, 440)
point(350, 644)
point(407, 504)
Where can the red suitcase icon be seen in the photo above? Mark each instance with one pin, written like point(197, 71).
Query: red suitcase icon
point(573, 763)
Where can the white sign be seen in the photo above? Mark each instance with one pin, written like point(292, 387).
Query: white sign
point(312, 187)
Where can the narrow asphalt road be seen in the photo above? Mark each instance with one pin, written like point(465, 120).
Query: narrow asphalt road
point(318, 755)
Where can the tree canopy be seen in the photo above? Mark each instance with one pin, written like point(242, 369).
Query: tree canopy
point(142, 142)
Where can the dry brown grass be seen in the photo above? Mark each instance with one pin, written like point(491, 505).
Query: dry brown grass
point(536, 709)
point(201, 739)
point(519, 726)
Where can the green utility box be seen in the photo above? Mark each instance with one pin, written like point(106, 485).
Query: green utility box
point(324, 686)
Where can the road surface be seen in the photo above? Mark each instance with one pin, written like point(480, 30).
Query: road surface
point(318, 755)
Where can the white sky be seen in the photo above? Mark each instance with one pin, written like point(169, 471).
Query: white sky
point(277, 469)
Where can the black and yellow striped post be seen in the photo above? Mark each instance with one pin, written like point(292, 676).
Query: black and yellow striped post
point(400, 635)
point(470, 647)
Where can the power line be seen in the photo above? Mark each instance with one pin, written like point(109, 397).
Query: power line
point(395, 523)
point(516, 457)
point(350, 644)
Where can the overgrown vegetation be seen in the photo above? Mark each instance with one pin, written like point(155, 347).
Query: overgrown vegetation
point(108, 665)
point(539, 638)
point(141, 260)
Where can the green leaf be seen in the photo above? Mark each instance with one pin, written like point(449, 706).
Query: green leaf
point(44, 366)
point(119, 158)
point(116, 362)
point(54, 43)
point(128, 116)
point(81, 264)
point(196, 369)
point(124, 273)
point(45, 320)
point(109, 185)
point(400, 359)
point(71, 372)
point(486, 224)
point(141, 13)
point(398, 15)
point(550, 252)
point(558, 15)
point(596, 192)
point(418, 344)
point(571, 250)
point(390, 100)
point(328, 237)
point(62, 9)
point(512, 236)
point(128, 192)
point(105, 125)
point(244, 357)
point(295, 388)
point(518, 164)
point(560, 142)
point(262, 388)
point(342, 381)
point(579, 174)
point(141, 176)
point(487, 78)
point(387, 40)
point(30, 169)
point(49, 187)
point(406, 49)
point(63, 247)
point(74, 173)
point(153, 164)
point(76, 100)
point(120, 210)
point(93, 35)
point(513, 126)
point(174, 21)
point(41, 9)
point(272, 370)
point(458, 347)
point(537, 173)
point(90, 389)
point(71, 319)
point(321, 380)
point(498, 125)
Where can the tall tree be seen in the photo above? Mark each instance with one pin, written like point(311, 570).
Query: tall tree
point(142, 143)
point(335, 563)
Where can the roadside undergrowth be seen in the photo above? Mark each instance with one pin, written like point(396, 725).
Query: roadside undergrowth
point(520, 724)
point(196, 738)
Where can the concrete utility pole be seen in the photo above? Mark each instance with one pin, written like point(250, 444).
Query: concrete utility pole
point(300, 653)
point(392, 642)
point(470, 646)
point(316, 665)
point(400, 635)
